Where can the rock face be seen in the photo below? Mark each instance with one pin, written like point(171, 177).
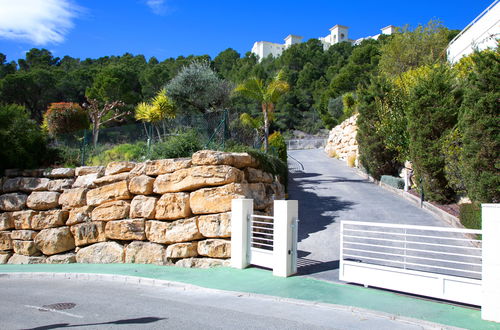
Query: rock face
point(33, 184)
point(215, 225)
point(88, 233)
point(49, 219)
point(111, 211)
point(24, 235)
point(111, 179)
point(79, 215)
point(60, 185)
point(60, 173)
point(71, 198)
point(196, 177)
point(127, 230)
point(182, 250)
point(43, 200)
point(5, 241)
point(55, 240)
point(162, 166)
point(86, 181)
point(215, 248)
point(173, 206)
point(111, 192)
point(118, 167)
point(141, 185)
point(101, 253)
point(13, 202)
point(22, 219)
point(172, 232)
point(254, 175)
point(342, 140)
point(84, 170)
point(6, 221)
point(26, 248)
point(18, 259)
point(145, 253)
point(215, 200)
point(143, 207)
point(210, 157)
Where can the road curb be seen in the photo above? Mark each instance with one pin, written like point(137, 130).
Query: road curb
point(138, 280)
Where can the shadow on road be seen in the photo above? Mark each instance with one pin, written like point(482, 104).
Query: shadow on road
point(140, 320)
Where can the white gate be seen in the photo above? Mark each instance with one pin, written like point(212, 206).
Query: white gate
point(438, 262)
point(266, 241)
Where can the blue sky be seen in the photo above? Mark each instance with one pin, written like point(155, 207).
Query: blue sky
point(169, 28)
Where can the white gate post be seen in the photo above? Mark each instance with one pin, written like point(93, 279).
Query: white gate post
point(285, 251)
point(241, 210)
point(490, 309)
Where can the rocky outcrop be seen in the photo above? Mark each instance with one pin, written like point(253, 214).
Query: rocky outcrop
point(342, 140)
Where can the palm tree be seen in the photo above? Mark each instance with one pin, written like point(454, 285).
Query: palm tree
point(267, 95)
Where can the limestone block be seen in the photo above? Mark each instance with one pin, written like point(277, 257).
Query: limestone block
point(141, 185)
point(33, 172)
point(210, 157)
point(13, 202)
point(4, 258)
point(215, 248)
point(101, 253)
point(139, 169)
point(60, 185)
point(182, 250)
point(254, 175)
point(127, 230)
point(201, 263)
point(111, 179)
point(257, 191)
point(111, 211)
point(173, 206)
point(215, 200)
point(5, 240)
point(18, 259)
point(11, 185)
point(163, 166)
point(143, 207)
point(79, 215)
point(88, 233)
point(23, 235)
point(86, 181)
point(33, 184)
point(196, 177)
point(145, 253)
point(84, 170)
point(119, 167)
point(71, 198)
point(22, 219)
point(172, 232)
point(215, 225)
point(26, 248)
point(55, 240)
point(60, 173)
point(111, 192)
point(49, 219)
point(67, 258)
point(6, 221)
point(43, 200)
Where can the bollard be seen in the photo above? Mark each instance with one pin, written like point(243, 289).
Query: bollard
point(241, 210)
point(285, 230)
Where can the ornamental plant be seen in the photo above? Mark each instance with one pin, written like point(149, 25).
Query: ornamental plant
point(65, 117)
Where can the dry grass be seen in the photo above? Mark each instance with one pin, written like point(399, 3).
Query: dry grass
point(351, 160)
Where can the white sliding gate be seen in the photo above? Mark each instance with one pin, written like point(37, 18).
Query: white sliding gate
point(266, 241)
point(438, 262)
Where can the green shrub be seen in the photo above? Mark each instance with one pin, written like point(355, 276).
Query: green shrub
point(277, 146)
point(479, 122)
point(470, 215)
point(65, 117)
point(122, 152)
point(22, 143)
point(66, 156)
point(181, 145)
point(393, 181)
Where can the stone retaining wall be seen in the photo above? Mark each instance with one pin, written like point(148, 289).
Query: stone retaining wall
point(342, 142)
point(171, 211)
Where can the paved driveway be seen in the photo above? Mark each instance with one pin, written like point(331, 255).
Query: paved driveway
point(328, 192)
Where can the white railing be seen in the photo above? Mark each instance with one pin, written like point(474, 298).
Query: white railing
point(262, 240)
point(439, 262)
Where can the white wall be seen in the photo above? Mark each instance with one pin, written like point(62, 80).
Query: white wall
point(479, 34)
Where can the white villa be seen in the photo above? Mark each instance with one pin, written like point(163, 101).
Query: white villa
point(338, 33)
point(483, 32)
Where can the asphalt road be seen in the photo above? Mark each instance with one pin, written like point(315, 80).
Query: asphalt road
point(328, 192)
point(56, 304)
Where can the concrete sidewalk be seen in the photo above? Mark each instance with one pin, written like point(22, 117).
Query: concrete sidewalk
point(261, 282)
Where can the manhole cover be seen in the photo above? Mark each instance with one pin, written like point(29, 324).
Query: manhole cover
point(57, 307)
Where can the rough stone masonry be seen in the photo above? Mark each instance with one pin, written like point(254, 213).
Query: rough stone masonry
point(165, 212)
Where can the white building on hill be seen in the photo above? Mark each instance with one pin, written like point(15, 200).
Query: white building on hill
point(338, 33)
point(483, 32)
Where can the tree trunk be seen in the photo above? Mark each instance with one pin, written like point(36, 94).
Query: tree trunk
point(266, 127)
point(95, 134)
point(158, 132)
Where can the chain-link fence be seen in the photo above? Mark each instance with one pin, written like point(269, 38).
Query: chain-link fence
point(138, 141)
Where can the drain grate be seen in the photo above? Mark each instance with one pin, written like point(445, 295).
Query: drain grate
point(57, 307)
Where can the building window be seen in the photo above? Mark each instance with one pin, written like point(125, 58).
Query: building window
point(341, 36)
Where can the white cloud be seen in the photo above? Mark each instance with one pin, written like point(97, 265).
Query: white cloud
point(158, 7)
point(40, 22)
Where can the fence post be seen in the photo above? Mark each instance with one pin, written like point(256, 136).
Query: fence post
point(285, 229)
point(490, 309)
point(241, 210)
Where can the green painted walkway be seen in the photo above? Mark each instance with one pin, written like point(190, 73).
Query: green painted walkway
point(259, 281)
